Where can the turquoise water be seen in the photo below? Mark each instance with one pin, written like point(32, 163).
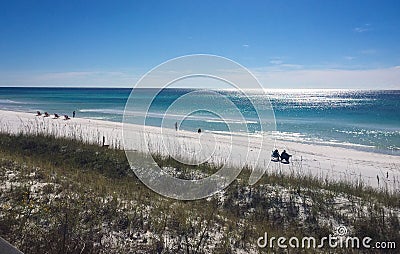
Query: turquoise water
point(360, 119)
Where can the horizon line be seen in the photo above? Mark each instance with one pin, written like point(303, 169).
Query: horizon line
point(227, 89)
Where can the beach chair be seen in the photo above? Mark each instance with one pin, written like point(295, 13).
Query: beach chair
point(38, 113)
point(285, 157)
point(46, 114)
point(275, 155)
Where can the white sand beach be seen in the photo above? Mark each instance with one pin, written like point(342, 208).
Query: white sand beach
point(327, 162)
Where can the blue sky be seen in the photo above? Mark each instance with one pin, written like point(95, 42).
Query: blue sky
point(292, 44)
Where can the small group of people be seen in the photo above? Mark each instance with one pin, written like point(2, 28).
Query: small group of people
point(56, 116)
point(176, 127)
point(284, 156)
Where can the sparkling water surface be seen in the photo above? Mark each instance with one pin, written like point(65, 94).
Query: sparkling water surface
point(359, 119)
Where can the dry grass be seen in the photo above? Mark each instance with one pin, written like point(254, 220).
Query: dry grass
point(64, 196)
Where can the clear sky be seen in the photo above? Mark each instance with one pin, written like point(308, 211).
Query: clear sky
point(291, 44)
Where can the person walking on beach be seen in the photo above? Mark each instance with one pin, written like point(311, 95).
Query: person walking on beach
point(176, 126)
point(73, 114)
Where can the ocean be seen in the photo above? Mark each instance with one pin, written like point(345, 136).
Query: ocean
point(359, 119)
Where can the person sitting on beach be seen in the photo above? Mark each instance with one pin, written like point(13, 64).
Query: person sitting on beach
point(56, 116)
point(38, 113)
point(66, 117)
point(275, 155)
point(46, 114)
point(285, 156)
point(199, 130)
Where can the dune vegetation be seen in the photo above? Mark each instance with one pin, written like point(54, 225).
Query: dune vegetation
point(60, 195)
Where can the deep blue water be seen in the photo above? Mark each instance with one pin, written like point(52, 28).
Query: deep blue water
point(361, 119)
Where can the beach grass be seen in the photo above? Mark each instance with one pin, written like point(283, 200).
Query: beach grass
point(63, 195)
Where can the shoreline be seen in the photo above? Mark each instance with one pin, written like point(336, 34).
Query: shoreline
point(287, 137)
point(326, 162)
